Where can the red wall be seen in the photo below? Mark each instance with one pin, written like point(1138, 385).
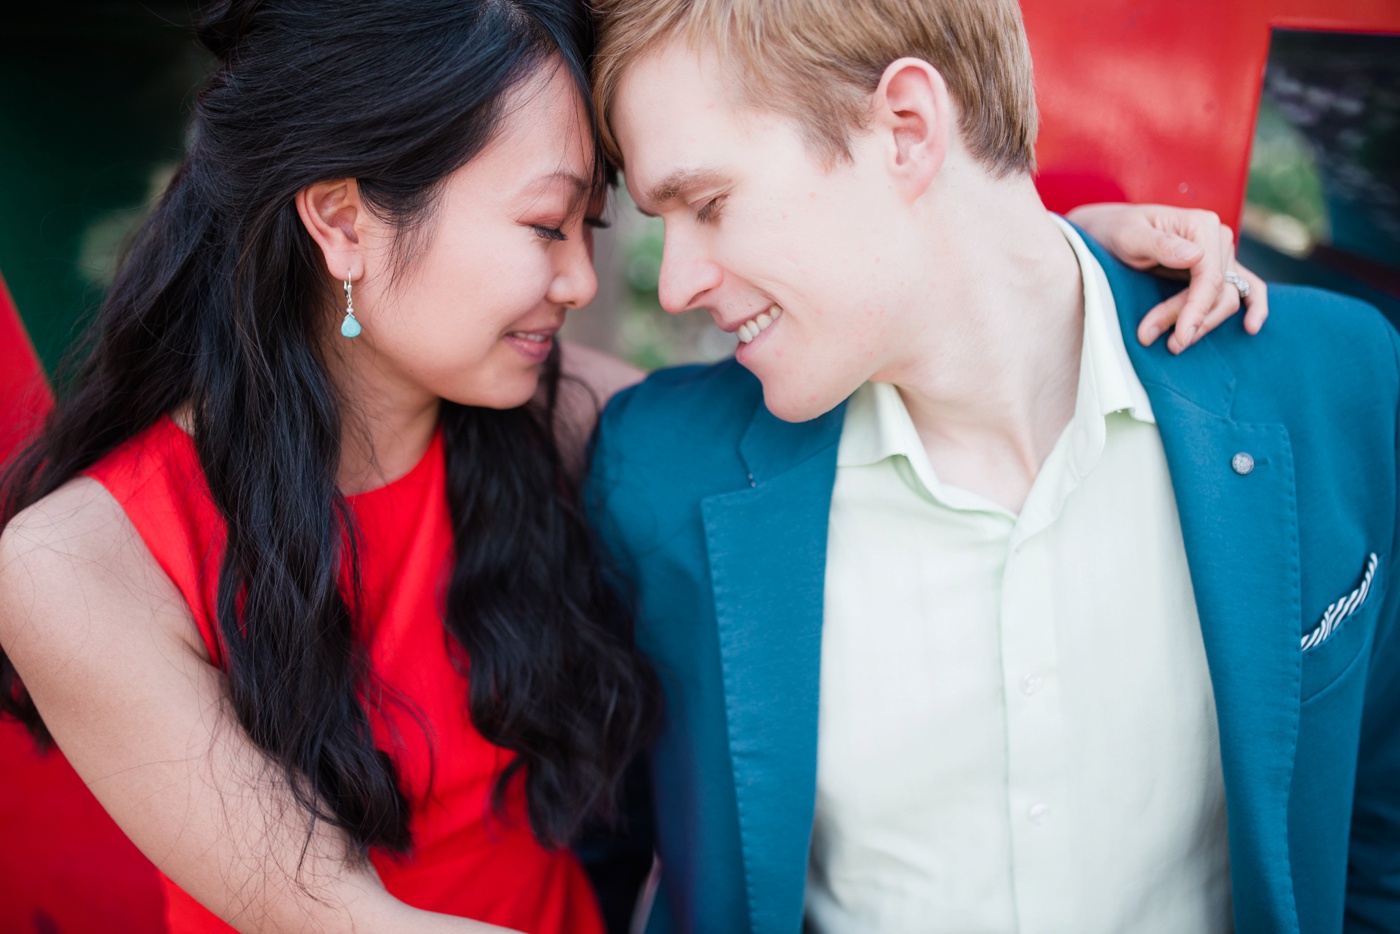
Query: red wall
point(24, 393)
point(64, 865)
point(1155, 101)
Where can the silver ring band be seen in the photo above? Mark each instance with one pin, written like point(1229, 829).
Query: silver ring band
point(1238, 282)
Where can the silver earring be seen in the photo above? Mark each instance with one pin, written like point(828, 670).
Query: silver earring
point(349, 327)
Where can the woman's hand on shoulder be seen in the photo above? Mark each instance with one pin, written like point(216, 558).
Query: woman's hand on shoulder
point(1179, 241)
point(109, 652)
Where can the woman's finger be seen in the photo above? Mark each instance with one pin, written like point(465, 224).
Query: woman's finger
point(1225, 309)
point(1228, 304)
point(1258, 301)
point(1207, 286)
point(1169, 249)
point(1160, 319)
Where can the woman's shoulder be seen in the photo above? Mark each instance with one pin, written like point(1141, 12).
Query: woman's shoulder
point(602, 373)
point(591, 378)
point(80, 521)
point(58, 553)
point(101, 532)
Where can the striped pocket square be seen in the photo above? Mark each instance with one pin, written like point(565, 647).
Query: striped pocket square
point(1343, 608)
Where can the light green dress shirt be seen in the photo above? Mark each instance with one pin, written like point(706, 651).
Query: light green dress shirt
point(1017, 731)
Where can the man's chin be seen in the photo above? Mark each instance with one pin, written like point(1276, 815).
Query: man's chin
point(793, 402)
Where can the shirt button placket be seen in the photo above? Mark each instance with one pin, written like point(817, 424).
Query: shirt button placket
point(1035, 737)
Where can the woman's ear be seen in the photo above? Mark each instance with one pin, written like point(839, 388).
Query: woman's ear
point(333, 214)
point(914, 114)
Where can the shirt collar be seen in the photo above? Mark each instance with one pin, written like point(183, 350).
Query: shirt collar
point(877, 428)
point(1107, 381)
point(877, 424)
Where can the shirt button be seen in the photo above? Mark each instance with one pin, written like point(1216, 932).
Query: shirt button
point(1039, 813)
point(1242, 463)
point(1031, 683)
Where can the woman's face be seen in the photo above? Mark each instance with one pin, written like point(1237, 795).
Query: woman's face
point(471, 314)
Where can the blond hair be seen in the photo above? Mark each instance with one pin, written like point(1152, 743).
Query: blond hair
point(818, 62)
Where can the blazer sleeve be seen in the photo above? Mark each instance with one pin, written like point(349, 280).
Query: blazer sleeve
point(1373, 868)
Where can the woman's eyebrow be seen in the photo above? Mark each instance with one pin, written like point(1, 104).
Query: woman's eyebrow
point(581, 188)
point(580, 185)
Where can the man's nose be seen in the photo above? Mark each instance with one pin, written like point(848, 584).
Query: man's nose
point(687, 274)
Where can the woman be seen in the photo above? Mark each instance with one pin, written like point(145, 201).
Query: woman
point(294, 576)
point(261, 500)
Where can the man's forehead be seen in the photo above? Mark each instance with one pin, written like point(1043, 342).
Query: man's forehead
point(677, 124)
point(680, 88)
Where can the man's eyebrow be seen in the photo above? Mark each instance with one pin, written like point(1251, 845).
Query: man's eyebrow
point(679, 182)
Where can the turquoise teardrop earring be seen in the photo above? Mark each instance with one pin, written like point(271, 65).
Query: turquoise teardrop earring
point(349, 327)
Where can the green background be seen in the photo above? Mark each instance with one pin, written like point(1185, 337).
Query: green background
point(93, 99)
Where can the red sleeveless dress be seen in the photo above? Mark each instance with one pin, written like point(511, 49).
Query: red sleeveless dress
point(467, 860)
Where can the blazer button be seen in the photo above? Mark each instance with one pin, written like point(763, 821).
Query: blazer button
point(1242, 463)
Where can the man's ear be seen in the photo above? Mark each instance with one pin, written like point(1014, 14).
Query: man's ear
point(914, 114)
point(333, 214)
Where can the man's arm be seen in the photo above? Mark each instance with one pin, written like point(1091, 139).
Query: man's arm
point(606, 467)
point(1373, 868)
point(618, 861)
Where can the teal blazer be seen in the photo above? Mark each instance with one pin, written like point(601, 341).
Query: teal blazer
point(716, 515)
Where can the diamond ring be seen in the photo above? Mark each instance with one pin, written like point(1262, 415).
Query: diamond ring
point(1238, 282)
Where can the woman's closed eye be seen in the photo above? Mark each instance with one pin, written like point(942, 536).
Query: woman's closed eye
point(549, 233)
point(556, 234)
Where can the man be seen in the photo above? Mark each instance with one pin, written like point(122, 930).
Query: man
point(975, 615)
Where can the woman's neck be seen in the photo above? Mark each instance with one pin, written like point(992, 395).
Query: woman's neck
point(386, 425)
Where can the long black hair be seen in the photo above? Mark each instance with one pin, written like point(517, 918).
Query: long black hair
point(220, 306)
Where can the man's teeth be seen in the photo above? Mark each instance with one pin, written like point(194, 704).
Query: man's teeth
point(537, 338)
point(756, 326)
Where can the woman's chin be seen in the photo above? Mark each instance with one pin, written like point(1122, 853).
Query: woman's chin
point(506, 394)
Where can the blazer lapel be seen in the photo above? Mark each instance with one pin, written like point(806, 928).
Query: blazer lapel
point(767, 550)
point(1241, 535)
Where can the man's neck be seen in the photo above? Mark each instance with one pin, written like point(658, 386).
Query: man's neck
point(992, 385)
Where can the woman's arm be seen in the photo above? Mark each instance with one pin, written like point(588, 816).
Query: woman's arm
point(1154, 235)
point(111, 656)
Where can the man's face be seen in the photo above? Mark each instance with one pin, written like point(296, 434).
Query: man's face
point(763, 235)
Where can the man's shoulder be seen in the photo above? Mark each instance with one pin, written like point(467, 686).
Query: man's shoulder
point(1306, 314)
point(1316, 342)
point(1310, 333)
point(665, 444)
point(684, 410)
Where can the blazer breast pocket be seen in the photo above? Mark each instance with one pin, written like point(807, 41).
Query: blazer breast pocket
point(1335, 641)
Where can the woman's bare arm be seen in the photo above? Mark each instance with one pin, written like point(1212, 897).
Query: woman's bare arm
point(111, 656)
